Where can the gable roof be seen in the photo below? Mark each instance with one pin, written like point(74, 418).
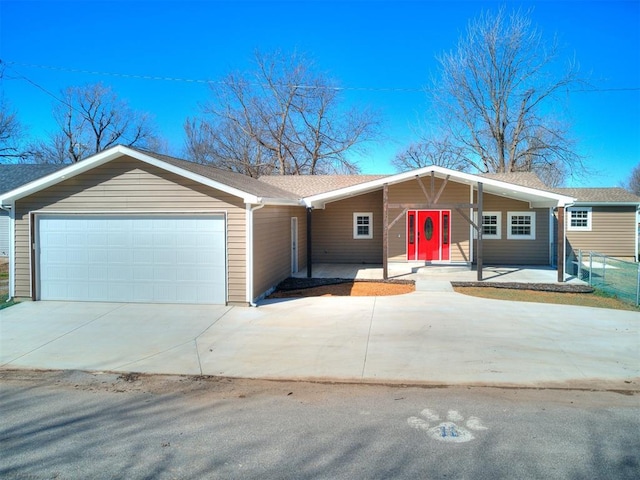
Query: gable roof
point(247, 188)
point(15, 175)
point(537, 197)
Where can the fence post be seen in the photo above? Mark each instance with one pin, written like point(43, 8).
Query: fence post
point(579, 264)
point(591, 268)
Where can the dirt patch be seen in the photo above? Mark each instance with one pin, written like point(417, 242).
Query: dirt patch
point(536, 287)
point(330, 287)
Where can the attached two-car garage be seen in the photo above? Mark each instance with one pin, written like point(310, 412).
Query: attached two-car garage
point(131, 258)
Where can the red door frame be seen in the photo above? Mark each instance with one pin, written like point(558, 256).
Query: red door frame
point(420, 249)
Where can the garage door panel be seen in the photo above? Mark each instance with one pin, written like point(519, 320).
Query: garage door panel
point(132, 258)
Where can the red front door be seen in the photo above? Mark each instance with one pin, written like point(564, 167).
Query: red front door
point(428, 234)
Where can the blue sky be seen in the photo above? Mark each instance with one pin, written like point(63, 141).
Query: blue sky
point(382, 52)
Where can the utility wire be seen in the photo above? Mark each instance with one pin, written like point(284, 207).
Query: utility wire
point(310, 87)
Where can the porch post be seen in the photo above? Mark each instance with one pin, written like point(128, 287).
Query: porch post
point(385, 231)
point(560, 242)
point(309, 249)
point(479, 223)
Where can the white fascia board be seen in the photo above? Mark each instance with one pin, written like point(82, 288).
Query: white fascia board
point(111, 154)
point(279, 201)
point(543, 198)
point(607, 204)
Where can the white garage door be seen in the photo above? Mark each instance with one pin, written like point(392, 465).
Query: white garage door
point(131, 258)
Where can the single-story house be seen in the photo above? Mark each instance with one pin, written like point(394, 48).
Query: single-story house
point(13, 176)
point(134, 226)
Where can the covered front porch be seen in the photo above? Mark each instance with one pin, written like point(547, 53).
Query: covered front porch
point(437, 273)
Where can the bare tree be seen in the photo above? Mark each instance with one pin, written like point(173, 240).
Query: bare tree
point(91, 119)
point(496, 96)
point(634, 180)
point(11, 133)
point(437, 151)
point(283, 118)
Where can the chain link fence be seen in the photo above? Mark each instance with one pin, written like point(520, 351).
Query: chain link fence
point(613, 276)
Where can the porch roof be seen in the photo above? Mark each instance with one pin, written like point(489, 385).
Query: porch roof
point(535, 196)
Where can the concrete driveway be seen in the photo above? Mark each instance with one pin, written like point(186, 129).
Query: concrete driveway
point(422, 337)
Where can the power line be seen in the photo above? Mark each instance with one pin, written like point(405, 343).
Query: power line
point(210, 82)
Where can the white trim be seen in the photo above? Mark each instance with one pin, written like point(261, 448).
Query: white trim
point(358, 236)
point(117, 152)
point(512, 236)
point(487, 236)
point(588, 227)
point(503, 188)
point(249, 252)
point(12, 250)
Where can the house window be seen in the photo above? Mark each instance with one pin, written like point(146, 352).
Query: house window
point(580, 219)
point(521, 226)
point(362, 225)
point(491, 225)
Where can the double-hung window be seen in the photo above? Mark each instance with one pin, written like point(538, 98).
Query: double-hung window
point(362, 225)
point(521, 225)
point(579, 219)
point(492, 225)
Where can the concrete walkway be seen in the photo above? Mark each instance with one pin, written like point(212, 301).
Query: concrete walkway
point(423, 337)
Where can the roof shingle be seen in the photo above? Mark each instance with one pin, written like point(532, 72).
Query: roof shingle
point(13, 176)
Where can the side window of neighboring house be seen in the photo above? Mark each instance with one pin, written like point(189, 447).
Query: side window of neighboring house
point(579, 219)
point(362, 225)
point(521, 225)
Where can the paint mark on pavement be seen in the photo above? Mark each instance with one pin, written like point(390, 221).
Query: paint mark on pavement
point(448, 430)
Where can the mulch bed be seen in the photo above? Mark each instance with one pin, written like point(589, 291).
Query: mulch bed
point(537, 287)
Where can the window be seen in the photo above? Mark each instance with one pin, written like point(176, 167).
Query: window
point(491, 225)
point(362, 225)
point(579, 219)
point(521, 226)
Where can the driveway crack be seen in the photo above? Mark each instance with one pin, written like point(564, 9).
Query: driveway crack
point(366, 350)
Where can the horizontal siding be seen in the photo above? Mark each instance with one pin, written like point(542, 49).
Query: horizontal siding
point(613, 233)
point(516, 252)
point(332, 229)
point(272, 245)
point(128, 185)
point(411, 192)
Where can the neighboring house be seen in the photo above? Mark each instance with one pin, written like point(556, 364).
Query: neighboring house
point(133, 226)
point(13, 176)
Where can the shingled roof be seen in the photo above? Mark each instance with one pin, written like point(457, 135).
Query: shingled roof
point(524, 179)
point(308, 185)
point(236, 180)
point(599, 195)
point(13, 176)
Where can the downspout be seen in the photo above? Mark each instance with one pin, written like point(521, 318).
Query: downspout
point(249, 252)
point(10, 210)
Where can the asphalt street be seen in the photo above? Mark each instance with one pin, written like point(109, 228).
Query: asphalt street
point(71, 425)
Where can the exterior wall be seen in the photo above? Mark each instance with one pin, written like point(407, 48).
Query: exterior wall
point(613, 232)
point(411, 192)
point(516, 252)
point(332, 230)
point(272, 245)
point(127, 185)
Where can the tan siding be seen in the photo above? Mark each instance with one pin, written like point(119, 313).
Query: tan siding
point(127, 185)
point(272, 245)
point(516, 252)
point(332, 229)
point(411, 192)
point(612, 232)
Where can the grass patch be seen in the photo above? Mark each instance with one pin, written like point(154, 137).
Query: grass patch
point(597, 299)
point(3, 301)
